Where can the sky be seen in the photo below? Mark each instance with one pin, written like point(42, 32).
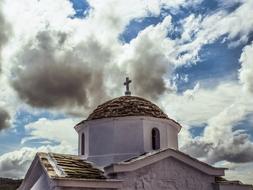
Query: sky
point(60, 59)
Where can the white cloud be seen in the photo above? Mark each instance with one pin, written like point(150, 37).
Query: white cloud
point(184, 137)
point(237, 23)
point(15, 164)
point(220, 141)
point(246, 71)
point(60, 131)
point(191, 27)
point(176, 4)
point(242, 171)
point(30, 16)
point(221, 108)
point(196, 106)
point(200, 30)
point(84, 37)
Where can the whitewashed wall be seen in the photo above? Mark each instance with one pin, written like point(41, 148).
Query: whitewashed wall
point(168, 133)
point(36, 178)
point(41, 183)
point(168, 174)
point(116, 139)
point(80, 188)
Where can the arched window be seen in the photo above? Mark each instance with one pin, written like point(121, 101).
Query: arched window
point(155, 139)
point(82, 144)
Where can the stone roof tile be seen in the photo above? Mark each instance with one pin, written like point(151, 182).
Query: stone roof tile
point(69, 166)
point(127, 106)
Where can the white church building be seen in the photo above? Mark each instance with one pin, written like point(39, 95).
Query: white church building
point(127, 143)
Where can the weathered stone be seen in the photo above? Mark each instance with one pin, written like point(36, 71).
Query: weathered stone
point(72, 166)
point(127, 106)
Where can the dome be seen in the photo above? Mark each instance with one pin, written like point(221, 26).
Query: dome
point(127, 106)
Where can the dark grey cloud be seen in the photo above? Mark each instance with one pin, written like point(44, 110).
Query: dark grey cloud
point(147, 77)
point(238, 149)
point(148, 68)
point(49, 75)
point(4, 119)
point(4, 32)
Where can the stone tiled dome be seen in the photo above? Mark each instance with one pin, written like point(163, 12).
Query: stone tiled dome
point(127, 106)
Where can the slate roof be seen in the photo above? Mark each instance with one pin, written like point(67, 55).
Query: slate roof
point(68, 166)
point(127, 106)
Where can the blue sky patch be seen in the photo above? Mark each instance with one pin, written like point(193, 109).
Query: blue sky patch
point(197, 130)
point(217, 63)
point(246, 124)
point(137, 25)
point(81, 7)
point(17, 133)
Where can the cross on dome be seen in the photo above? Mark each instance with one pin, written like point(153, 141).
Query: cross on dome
point(127, 83)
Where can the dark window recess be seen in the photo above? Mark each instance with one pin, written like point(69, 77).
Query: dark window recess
point(82, 144)
point(155, 139)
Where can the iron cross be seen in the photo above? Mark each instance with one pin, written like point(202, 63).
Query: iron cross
point(128, 92)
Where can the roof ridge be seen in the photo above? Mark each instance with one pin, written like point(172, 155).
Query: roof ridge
point(152, 153)
point(150, 157)
point(155, 152)
point(58, 169)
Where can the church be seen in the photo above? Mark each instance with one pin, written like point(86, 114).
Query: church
point(127, 143)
